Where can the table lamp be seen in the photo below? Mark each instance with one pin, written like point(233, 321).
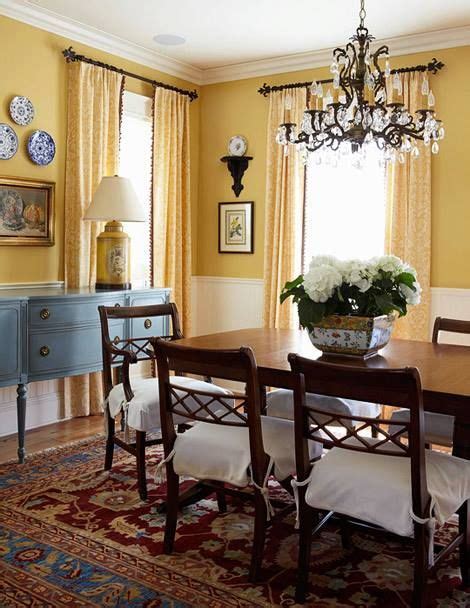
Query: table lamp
point(115, 201)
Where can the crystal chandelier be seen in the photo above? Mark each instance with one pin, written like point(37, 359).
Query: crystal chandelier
point(362, 113)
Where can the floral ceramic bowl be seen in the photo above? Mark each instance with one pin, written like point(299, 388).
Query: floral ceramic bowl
point(351, 335)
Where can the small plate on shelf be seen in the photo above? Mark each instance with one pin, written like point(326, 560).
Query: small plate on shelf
point(41, 147)
point(8, 142)
point(21, 110)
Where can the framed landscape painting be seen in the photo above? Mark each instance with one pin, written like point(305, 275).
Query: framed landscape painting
point(26, 212)
point(236, 234)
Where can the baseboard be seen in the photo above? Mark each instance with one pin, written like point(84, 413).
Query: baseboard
point(41, 410)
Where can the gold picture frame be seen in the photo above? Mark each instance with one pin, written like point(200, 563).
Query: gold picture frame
point(26, 212)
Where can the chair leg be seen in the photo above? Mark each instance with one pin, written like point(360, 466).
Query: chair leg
point(221, 498)
point(111, 425)
point(345, 532)
point(421, 545)
point(464, 528)
point(259, 537)
point(374, 432)
point(306, 516)
point(172, 493)
point(140, 457)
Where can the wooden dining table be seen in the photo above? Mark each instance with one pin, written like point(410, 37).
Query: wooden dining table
point(444, 368)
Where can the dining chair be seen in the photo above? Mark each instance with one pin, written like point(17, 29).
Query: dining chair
point(391, 485)
point(135, 399)
point(230, 445)
point(438, 428)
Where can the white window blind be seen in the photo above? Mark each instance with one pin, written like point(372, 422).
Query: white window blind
point(135, 157)
point(344, 213)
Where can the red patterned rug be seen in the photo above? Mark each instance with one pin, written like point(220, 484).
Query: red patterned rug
point(74, 535)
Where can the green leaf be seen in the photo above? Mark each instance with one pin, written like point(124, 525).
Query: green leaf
point(407, 279)
point(310, 312)
point(295, 283)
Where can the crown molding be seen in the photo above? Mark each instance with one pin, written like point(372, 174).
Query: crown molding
point(400, 45)
point(71, 29)
point(45, 19)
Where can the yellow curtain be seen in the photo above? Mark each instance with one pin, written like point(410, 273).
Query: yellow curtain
point(171, 200)
point(92, 152)
point(283, 215)
point(408, 217)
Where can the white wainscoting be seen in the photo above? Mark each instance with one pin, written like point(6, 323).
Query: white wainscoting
point(218, 304)
point(224, 304)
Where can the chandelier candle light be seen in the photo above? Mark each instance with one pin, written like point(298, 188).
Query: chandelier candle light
point(363, 113)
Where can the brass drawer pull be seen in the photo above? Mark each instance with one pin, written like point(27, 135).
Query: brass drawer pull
point(147, 323)
point(116, 340)
point(44, 351)
point(44, 314)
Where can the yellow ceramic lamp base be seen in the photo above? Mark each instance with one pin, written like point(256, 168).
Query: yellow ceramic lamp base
point(113, 258)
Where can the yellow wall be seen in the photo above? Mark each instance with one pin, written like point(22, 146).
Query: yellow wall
point(31, 64)
point(236, 108)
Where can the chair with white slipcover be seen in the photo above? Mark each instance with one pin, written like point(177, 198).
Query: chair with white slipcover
point(230, 445)
point(393, 485)
point(438, 428)
point(136, 400)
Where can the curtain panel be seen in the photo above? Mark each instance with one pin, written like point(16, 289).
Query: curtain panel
point(171, 228)
point(408, 214)
point(283, 210)
point(94, 96)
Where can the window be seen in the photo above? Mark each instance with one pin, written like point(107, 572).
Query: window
point(135, 159)
point(345, 207)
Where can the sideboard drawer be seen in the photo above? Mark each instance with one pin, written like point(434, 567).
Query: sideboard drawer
point(68, 313)
point(59, 352)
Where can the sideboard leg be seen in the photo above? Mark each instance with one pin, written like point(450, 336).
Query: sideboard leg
point(21, 391)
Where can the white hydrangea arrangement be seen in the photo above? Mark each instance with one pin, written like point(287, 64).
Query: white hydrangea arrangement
point(367, 288)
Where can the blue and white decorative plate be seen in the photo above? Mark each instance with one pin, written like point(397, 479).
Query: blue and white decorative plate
point(8, 142)
point(41, 148)
point(21, 110)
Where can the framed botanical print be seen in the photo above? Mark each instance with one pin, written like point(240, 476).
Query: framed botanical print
point(26, 212)
point(236, 234)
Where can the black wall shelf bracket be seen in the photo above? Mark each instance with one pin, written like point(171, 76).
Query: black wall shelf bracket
point(237, 165)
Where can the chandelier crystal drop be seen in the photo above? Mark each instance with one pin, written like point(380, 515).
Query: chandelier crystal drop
point(364, 113)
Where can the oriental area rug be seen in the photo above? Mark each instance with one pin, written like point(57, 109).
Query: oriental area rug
point(74, 535)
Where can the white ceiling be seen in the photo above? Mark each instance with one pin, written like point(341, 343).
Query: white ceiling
point(226, 32)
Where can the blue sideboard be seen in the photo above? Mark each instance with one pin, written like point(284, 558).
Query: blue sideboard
point(52, 333)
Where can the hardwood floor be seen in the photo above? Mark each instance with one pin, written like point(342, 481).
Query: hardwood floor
point(52, 435)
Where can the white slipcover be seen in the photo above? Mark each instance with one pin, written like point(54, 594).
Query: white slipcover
point(143, 411)
point(377, 489)
point(280, 403)
point(222, 453)
point(438, 428)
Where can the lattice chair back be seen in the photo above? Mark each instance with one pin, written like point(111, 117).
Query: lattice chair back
point(242, 409)
point(396, 387)
point(117, 351)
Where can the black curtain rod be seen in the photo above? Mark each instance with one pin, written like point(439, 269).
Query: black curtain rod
point(71, 55)
point(433, 66)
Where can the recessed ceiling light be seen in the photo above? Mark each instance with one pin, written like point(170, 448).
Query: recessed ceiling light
point(169, 39)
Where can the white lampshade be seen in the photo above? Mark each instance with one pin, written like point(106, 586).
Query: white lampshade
point(115, 199)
